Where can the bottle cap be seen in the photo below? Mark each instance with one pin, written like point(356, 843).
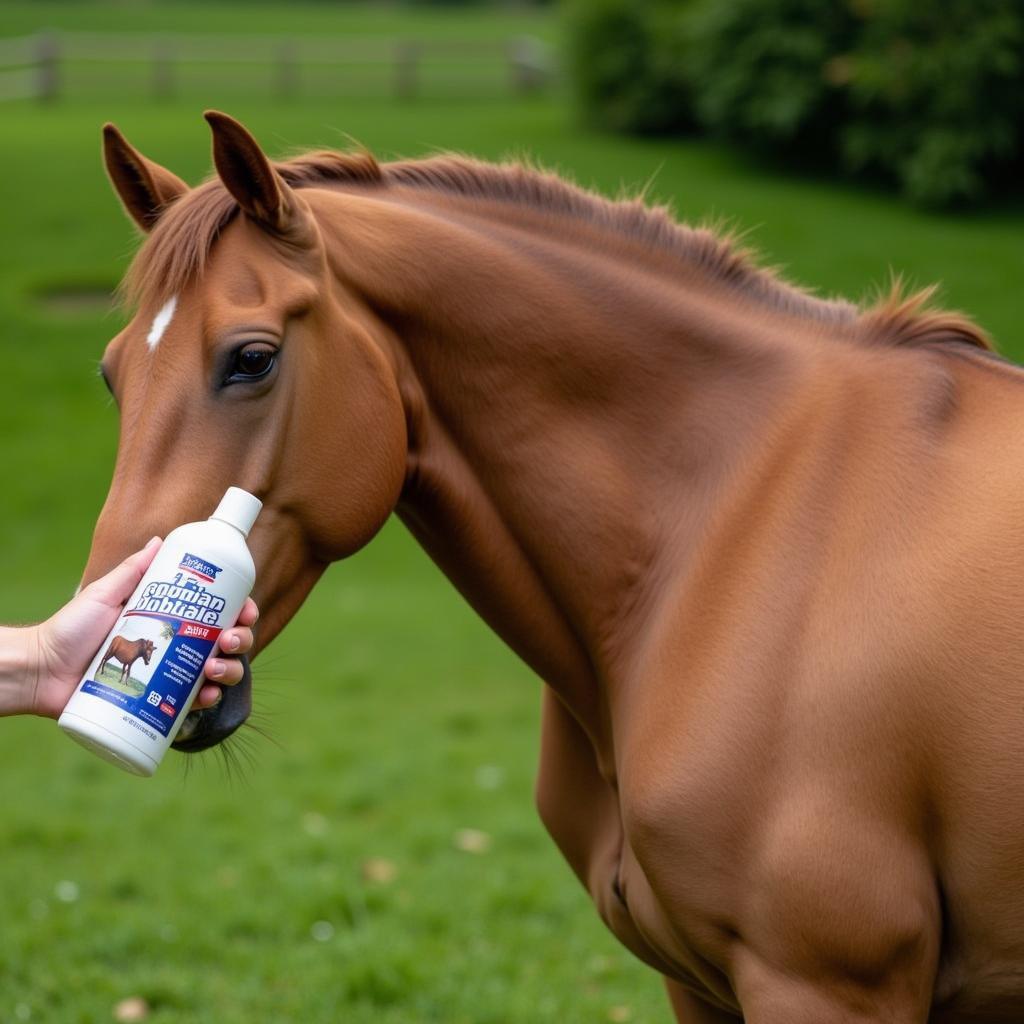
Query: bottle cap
point(239, 508)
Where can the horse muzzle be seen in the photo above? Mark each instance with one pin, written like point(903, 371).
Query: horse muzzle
point(206, 728)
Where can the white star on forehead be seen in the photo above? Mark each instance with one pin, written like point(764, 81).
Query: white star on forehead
point(160, 322)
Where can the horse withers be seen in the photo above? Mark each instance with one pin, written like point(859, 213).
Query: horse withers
point(762, 549)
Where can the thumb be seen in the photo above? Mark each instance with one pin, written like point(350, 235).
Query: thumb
point(116, 587)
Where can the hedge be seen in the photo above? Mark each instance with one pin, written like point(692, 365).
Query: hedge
point(927, 95)
point(630, 64)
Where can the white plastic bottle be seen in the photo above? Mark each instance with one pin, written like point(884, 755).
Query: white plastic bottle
point(135, 695)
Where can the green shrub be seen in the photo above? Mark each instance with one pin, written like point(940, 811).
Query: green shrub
point(629, 64)
point(764, 70)
point(936, 93)
point(929, 95)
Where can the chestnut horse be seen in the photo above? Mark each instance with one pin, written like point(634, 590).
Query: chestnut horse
point(761, 548)
point(127, 652)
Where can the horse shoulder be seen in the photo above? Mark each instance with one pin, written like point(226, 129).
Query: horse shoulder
point(763, 809)
point(580, 810)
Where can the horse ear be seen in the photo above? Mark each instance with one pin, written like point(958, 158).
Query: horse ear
point(248, 175)
point(145, 188)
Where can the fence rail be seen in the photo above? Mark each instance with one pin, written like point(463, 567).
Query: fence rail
point(37, 66)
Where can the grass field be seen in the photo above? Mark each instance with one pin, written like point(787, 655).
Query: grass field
point(22, 17)
point(367, 35)
point(111, 676)
point(379, 859)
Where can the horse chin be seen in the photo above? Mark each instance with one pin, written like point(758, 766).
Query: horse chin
point(206, 728)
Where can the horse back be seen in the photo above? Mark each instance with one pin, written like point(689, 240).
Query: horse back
point(825, 736)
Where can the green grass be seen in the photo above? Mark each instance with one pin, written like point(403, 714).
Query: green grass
point(111, 676)
point(397, 718)
point(344, 19)
point(367, 36)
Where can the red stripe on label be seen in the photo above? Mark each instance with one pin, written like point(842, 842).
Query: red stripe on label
point(198, 631)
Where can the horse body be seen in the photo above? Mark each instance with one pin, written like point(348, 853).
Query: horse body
point(794, 623)
point(127, 652)
point(807, 740)
point(759, 547)
point(834, 719)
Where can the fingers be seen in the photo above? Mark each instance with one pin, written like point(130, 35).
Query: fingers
point(249, 613)
point(140, 561)
point(224, 671)
point(236, 641)
point(219, 672)
point(116, 587)
point(227, 671)
point(207, 696)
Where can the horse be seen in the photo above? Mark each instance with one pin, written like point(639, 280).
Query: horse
point(762, 549)
point(127, 652)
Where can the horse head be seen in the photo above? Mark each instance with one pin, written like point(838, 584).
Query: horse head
point(147, 651)
point(245, 364)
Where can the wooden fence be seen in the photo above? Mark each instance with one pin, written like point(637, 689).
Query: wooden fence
point(42, 66)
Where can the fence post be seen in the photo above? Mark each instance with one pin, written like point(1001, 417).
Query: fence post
point(163, 69)
point(287, 69)
point(407, 55)
point(528, 64)
point(48, 57)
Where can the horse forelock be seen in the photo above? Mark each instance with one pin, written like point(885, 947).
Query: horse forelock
point(178, 249)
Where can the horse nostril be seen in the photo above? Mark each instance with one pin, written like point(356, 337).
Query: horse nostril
point(206, 728)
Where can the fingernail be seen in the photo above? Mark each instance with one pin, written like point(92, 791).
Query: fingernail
point(232, 643)
point(216, 668)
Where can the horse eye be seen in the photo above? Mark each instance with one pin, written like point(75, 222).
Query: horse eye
point(251, 362)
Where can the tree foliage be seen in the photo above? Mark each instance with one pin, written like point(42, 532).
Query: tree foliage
point(927, 95)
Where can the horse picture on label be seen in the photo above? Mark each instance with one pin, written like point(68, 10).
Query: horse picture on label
point(127, 652)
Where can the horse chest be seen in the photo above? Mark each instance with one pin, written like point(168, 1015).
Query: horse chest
point(584, 815)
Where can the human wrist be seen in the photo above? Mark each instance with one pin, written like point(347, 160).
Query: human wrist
point(19, 669)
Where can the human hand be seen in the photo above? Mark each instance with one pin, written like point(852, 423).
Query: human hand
point(60, 649)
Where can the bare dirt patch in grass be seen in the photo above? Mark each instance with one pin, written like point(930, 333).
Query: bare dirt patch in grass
point(75, 299)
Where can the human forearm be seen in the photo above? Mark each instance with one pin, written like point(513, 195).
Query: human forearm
point(19, 656)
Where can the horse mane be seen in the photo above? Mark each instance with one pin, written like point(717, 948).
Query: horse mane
point(177, 250)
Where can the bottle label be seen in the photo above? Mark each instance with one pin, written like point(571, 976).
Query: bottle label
point(156, 651)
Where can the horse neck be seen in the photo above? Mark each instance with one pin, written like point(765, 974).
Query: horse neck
point(572, 413)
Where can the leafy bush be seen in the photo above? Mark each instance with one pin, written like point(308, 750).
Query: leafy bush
point(927, 94)
point(762, 69)
point(936, 93)
point(629, 62)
